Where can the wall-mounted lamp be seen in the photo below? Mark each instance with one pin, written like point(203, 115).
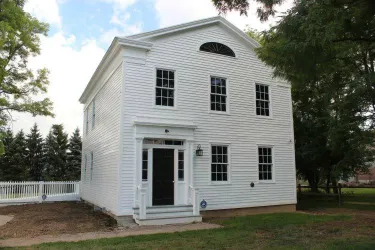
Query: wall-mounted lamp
point(199, 151)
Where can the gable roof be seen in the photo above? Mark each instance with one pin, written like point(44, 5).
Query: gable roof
point(136, 41)
point(195, 24)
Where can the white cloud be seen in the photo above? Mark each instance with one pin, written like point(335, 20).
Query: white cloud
point(178, 11)
point(120, 3)
point(121, 20)
point(45, 10)
point(70, 71)
point(107, 36)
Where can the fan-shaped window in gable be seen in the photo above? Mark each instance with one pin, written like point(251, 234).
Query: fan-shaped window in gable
point(217, 48)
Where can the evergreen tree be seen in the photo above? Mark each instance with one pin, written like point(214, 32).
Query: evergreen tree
point(17, 170)
point(55, 154)
point(5, 158)
point(75, 156)
point(35, 154)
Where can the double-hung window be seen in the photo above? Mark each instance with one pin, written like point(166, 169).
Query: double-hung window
point(144, 164)
point(219, 163)
point(262, 100)
point(218, 94)
point(92, 165)
point(265, 163)
point(87, 121)
point(85, 170)
point(93, 114)
point(165, 88)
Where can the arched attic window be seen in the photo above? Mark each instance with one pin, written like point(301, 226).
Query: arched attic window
point(217, 48)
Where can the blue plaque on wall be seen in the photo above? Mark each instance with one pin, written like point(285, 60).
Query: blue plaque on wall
point(203, 204)
point(44, 197)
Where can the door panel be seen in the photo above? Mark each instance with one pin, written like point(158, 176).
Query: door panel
point(163, 177)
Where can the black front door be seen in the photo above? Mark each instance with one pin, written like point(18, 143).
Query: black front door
point(163, 177)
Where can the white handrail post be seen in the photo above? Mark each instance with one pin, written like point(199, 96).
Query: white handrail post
point(196, 202)
point(41, 184)
point(142, 203)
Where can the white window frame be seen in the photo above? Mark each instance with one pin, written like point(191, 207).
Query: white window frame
point(91, 165)
point(87, 120)
point(93, 114)
point(147, 169)
point(174, 107)
point(85, 169)
point(227, 112)
point(228, 181)
point(269, 101)
point(273, 180)
point(183, 165)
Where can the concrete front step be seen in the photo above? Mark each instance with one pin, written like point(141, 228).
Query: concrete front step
point(162, 209)
point(166, 221)
point(162, 215)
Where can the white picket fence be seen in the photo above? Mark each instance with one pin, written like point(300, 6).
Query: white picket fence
point(31, 192)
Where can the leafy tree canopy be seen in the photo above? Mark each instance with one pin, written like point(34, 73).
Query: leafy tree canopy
point(19, 85)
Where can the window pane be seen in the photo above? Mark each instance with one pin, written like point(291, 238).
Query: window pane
point(219, 176)
point(159, 73)
point(158, 100)
point(164, 102)
point(144, 175)
point(220, 150)
point(269, 176)
point(171, 84)
point(225, 177)
point(180, 175)
point(213, 177)
point(171, 75)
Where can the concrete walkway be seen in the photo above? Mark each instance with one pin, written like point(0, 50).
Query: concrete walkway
point(18, 242)
point(4, 219)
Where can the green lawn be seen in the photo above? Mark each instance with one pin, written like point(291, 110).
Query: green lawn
point(359, 191)
point(270, 231)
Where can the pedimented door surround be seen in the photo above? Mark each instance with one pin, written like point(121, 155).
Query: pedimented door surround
point(148, 129)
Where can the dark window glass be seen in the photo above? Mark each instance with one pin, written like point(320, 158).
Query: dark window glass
point(218, 94)
point(180, 165)
point(164, 95)
point(265, 163)
point(219, 163)
point(144, 164)
point(217, 48)
point(262, 100)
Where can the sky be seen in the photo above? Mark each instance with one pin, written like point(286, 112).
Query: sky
point(82, 30)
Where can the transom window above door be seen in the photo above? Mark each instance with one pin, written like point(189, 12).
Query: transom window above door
point(165, 87)
point(218, 94)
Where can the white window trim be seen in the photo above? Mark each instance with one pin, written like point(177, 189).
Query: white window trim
point(91, 165)
point(85, 169)
point(227, 112)
point(175, 101)
point(270, 101)
point(87, 120)
point(148, 163)
point(184, 163)
point(93, 115)
point(273, 163)
point(229, 168)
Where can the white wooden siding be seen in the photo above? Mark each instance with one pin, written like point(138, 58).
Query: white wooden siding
point(241, 128)
point(103, 140)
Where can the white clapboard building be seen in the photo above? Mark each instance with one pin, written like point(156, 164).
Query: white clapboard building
point(184, 122)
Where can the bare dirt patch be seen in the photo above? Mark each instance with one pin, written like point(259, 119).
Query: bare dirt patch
point(33, 220)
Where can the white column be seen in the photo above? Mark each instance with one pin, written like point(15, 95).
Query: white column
point(138, 166)
point(189, 163)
